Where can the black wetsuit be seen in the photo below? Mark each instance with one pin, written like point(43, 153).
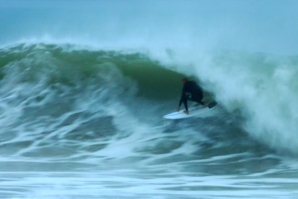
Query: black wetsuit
point(191, 91)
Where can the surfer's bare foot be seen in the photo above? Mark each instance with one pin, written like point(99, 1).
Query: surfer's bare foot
point(186, 112)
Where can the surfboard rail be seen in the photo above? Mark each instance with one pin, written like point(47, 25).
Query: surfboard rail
point(193, 112)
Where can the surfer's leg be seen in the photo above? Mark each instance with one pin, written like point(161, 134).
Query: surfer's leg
point(198, 99)
point(212, 104)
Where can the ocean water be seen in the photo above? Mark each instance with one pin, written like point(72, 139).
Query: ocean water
point(84, 86)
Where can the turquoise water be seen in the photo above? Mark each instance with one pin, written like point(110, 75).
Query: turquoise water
point(82, 99)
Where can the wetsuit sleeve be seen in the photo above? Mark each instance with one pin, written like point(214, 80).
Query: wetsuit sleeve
point(183, 99)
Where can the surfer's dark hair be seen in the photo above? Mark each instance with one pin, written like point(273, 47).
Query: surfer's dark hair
point(184, 79)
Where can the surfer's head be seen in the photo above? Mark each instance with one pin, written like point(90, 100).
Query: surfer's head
point(184, 80)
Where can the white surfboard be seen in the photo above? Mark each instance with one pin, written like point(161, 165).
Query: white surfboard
point(195, 111)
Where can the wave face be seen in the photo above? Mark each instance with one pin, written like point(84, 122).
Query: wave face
point(84, 86)
point(75, 111)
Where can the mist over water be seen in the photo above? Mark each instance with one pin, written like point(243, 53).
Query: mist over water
point(266, 26)
point(84, 86)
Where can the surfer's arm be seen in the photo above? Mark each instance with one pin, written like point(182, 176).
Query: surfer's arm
point(183, 100)
point(185, 105)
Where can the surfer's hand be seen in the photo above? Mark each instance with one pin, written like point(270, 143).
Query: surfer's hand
point(186, 112)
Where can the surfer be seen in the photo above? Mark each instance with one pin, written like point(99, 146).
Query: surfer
point(190, 91)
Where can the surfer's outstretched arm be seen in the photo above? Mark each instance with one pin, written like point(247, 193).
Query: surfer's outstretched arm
point(183, 100)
